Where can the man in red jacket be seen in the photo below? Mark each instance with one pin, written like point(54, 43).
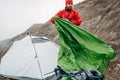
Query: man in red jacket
point(69, 13)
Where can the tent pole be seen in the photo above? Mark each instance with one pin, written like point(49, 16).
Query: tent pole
point(36, 56)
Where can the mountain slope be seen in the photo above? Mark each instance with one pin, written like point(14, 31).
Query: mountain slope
point(102, 18)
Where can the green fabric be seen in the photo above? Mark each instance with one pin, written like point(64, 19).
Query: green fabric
point(66, 77)
point(79, 49)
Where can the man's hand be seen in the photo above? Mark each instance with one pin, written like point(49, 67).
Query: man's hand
point(66, 19)
point(56, 16)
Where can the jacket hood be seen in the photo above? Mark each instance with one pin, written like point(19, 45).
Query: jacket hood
point(69, 2)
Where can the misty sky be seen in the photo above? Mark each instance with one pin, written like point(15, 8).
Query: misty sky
point(18, 15)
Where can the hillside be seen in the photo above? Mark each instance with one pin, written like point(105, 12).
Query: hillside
point(101, 17)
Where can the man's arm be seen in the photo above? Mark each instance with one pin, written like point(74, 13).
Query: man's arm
point(57, 15)
point(78, 19)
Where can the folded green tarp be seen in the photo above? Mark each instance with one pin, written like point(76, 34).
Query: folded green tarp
point(79, 49)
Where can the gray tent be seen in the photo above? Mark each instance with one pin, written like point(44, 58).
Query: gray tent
point(30, 57)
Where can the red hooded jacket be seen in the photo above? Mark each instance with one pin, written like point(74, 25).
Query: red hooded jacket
point(72, 16)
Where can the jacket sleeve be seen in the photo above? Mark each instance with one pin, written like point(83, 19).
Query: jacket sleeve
point(57, 15)
point(77, 20)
